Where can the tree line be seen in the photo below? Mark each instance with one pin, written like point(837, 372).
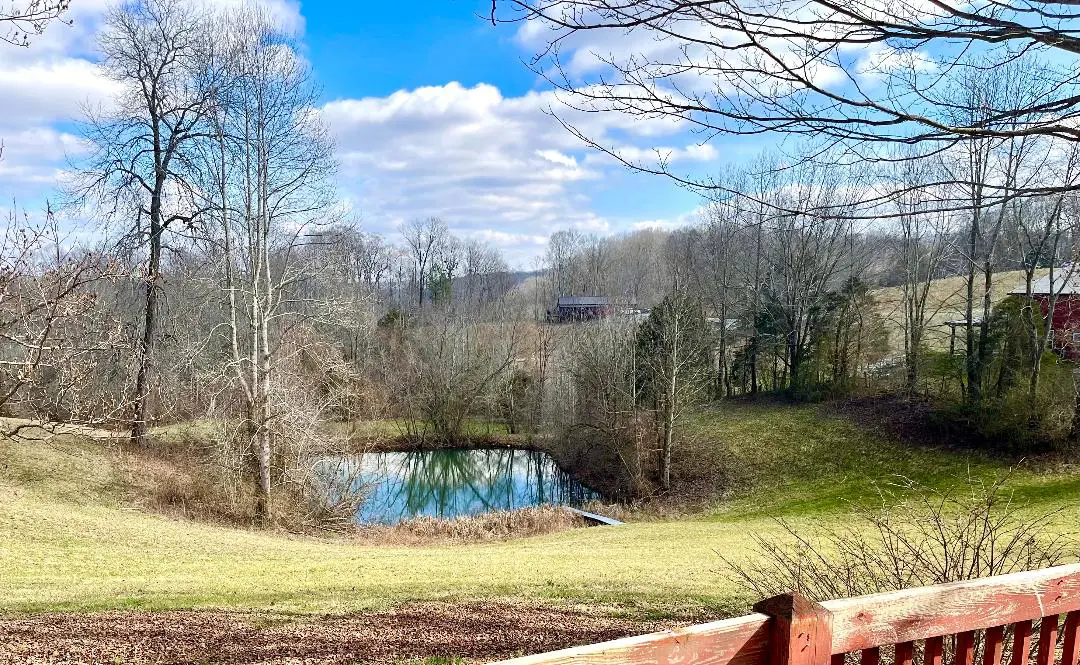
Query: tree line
point(227, 284)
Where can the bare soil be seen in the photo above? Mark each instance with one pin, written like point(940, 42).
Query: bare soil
point(472, 631)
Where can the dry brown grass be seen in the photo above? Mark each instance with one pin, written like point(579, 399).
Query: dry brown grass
point(177, 482)
point(944, 303)
point(488, 527)
point(179, 475)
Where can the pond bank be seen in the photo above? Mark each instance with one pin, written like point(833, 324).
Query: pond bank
point(484, 528)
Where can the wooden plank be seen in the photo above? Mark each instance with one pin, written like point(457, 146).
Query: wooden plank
point(965, 648)
point(740, 641)
point(993, 645)
point(593, 517)
point(1021, 642)
point(1048, 631)
point(871, 656)
point(946, 609)
point(800, 631)
point(863, 623)
point(905, 653)
point(1070, 652)
point(933, 650)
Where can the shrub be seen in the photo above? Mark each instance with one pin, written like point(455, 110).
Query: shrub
point(926, 538)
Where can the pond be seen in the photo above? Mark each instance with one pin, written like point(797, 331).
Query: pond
point(449, 483)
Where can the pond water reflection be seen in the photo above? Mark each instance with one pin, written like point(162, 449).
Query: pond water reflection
point(449, 483)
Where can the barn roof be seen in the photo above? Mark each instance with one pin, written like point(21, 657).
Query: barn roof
point(1066, 282)
point(583, 301)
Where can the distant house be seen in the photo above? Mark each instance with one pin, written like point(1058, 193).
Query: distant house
point(1066, 322)
point(581, 308)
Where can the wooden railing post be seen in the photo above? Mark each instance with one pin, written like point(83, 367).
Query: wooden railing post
point(800, 631)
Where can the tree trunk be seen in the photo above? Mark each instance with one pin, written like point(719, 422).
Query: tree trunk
point(1074, 430)
point(262, 503)
point(753, 364)
point(665, 453)
point(145, 348)
point(974, 375)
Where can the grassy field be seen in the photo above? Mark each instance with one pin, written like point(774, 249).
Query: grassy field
point(945, 302)
point(71, 538)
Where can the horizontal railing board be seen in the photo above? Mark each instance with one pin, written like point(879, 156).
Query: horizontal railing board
point(858, 623)
point(739, 641)
point(946, 609)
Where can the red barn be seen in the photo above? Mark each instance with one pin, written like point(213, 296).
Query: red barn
point(1066, 322)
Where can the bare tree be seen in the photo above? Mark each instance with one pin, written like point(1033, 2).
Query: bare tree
point(453, 369)
point(753, 66)
point(808, 255)
point(49, 345)
point(485, 269)
point(563, 248)
point(423, 238)
point(141, 169)
point(716, 276)
point(1044, 226)
point(924, 243)
point(449, 255)
point(675, 349)
point(601, 391)
point(268, 170)
point(979, 169)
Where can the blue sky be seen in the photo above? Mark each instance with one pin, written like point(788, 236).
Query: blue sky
point(433, 112)
point(382, 49)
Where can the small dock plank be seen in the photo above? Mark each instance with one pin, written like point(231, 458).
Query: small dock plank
point(593, 517)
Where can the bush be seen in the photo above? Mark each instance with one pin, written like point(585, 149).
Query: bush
point(927, 538)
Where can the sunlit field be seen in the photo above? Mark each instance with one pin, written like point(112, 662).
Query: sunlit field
point(73, 537)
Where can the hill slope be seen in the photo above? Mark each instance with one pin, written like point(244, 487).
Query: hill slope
point(945, 302)
point(70, 538)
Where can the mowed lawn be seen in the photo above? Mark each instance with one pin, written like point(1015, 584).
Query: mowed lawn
point(71, 537)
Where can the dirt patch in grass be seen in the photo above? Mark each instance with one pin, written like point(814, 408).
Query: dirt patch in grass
point(909, 420)
point(473, 631)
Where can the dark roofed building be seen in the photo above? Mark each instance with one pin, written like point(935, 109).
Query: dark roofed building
point(582, 308)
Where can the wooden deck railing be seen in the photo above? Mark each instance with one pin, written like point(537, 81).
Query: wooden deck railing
point(791, 630)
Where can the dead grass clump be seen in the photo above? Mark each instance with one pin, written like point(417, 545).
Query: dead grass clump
point(488, 527)
point(203, 474)
point(175, 480)
point(659, 509)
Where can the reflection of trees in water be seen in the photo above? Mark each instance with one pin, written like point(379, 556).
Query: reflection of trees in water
point(447, 483)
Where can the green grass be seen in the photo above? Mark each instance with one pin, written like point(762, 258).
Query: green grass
point(70, 540)
point(791, 460)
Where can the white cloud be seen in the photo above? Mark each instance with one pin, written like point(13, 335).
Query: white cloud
point(493, 167)
point(670, 224)
point(557, 157)
point(499, 168)
point(44, 92)
point(34, 155)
